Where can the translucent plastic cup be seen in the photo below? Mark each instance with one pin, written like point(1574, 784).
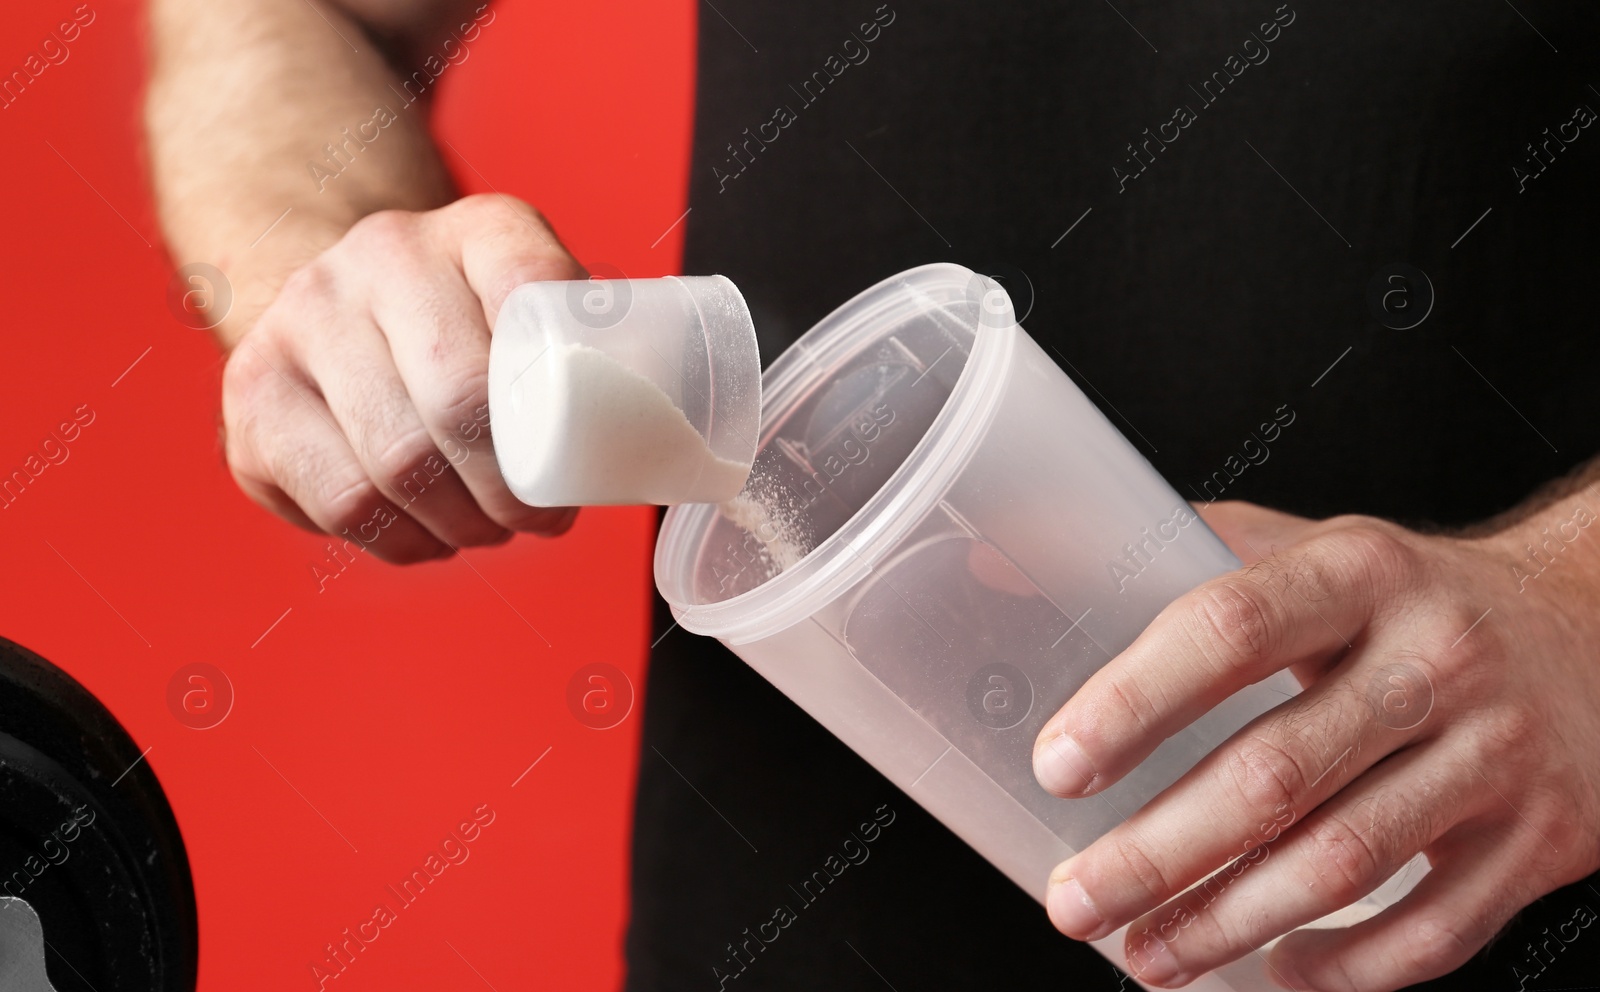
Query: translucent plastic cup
point(625, 391)
point(948, 540)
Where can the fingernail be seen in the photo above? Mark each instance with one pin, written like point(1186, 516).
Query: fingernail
point(1071, 911)
point(1155, 963)
point(1060, 766)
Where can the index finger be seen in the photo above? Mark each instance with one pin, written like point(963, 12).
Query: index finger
point(495, 244)
point(503, 243)
point(1228, 633)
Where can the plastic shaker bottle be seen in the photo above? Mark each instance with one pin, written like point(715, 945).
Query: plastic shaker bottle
point(944, 540)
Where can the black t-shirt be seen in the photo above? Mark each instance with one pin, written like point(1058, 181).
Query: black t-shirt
point(1200, 207)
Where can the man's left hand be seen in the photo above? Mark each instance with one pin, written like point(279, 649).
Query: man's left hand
point(1451, 707)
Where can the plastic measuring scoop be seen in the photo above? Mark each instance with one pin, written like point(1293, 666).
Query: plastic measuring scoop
point(947, 540)
point(623, 391)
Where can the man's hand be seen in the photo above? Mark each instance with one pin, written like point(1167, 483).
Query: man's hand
point(354, 396)
point(1451, 707)
point(358, 401)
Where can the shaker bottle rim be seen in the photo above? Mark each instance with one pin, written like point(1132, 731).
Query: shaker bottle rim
point(849, 554)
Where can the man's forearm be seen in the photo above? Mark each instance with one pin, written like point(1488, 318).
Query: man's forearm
point(280, 115)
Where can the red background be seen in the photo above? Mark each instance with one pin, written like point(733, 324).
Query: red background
point(395, 701)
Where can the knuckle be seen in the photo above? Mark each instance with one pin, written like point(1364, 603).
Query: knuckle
point(1210, 929)
point(383, 230)
point(1437, 944)
point(239, 445)
point(248, 394)
point(1233, 620)
point(519, 243)
point(404, 459)
point(243, 377)
point(1331, 974)
point(487, 202)
point(1403, 692)
point(1376, 550)
point(253, 485)
point(462, 399)
point(346, 502)
point(1507, 748)
point(1471, 655)
point(310, 287)
point(1508, 730)
point(1124, 701)
point(1343, 858)
point(1265, 775)
point(1126, 858)
point(1561, 846)
point(1570, 831)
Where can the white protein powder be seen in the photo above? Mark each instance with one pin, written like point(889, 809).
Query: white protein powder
point(604, 434)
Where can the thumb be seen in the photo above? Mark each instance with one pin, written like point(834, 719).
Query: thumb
point(502, 243)
point(1253, 532)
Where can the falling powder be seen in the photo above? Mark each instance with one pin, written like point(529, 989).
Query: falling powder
point(767, 512)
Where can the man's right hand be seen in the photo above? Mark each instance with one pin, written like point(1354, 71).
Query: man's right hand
point(357, 404)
